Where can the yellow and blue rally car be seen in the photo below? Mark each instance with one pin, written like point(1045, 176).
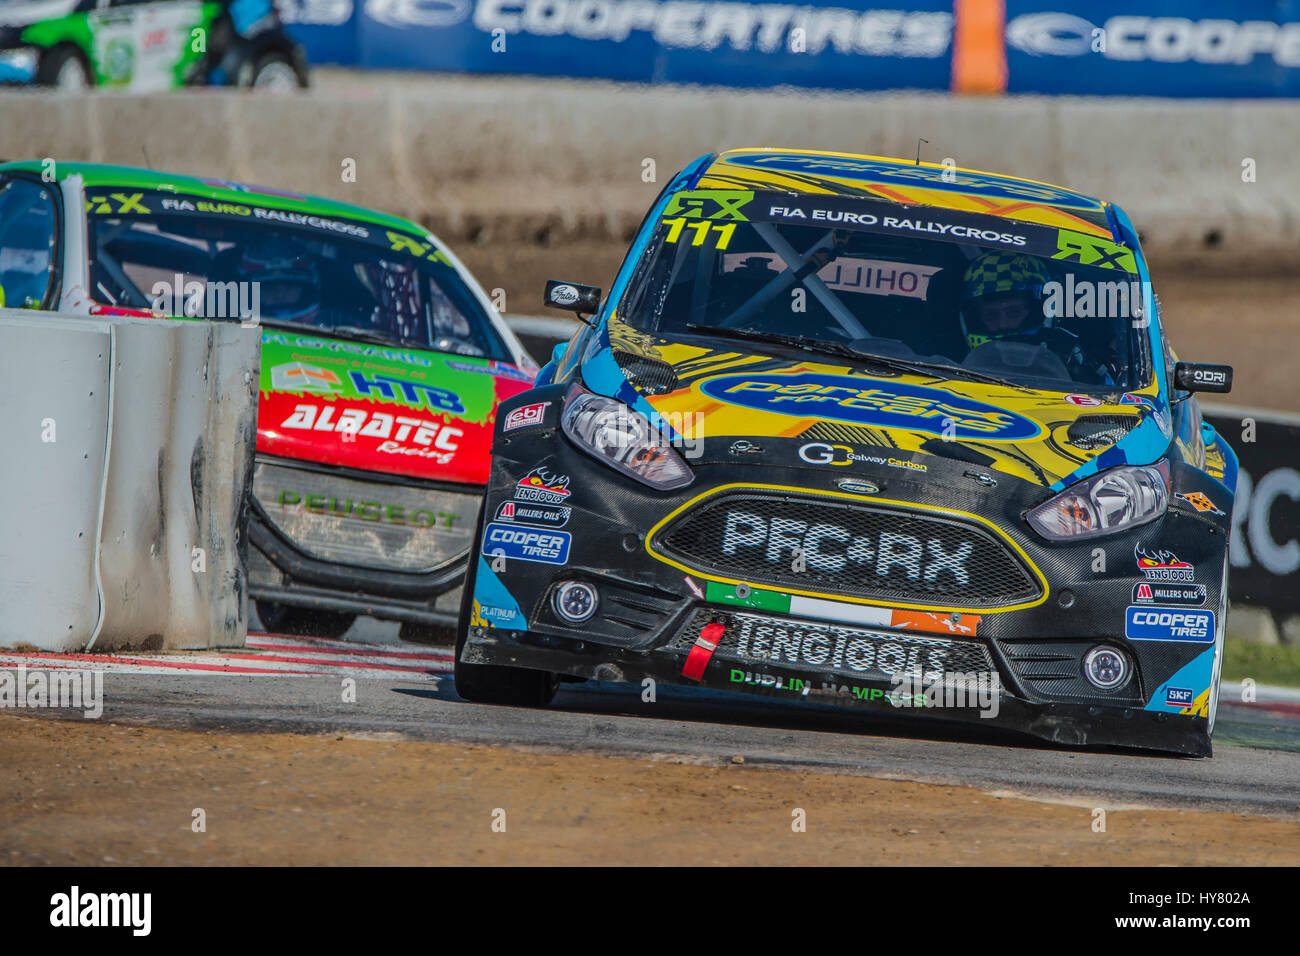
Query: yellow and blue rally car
point(891, 435)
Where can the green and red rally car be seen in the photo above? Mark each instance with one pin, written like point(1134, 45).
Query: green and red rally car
point(383, 363)
point(147, 46)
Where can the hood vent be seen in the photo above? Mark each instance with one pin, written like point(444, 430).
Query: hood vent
point(1098, 431)
point(649, 376)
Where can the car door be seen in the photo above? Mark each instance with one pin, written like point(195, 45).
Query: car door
point(29, 242)
point(143, 45)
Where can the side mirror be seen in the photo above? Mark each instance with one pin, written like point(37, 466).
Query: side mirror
point(557, 352)
point(1195, 377)
point(572, 297)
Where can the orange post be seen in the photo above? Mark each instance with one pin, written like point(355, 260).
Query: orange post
point(979, 47)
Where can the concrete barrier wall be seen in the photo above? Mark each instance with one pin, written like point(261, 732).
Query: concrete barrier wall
point(533, 159)
point(128, 447)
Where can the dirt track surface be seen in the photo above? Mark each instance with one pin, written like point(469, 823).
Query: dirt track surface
point(1251, 323)
point(126, 795)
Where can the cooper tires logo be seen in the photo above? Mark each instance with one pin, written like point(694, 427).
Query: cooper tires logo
point(1050, 34)
point(418, 13)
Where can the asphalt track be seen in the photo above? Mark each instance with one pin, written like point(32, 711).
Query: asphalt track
point(1256, 767)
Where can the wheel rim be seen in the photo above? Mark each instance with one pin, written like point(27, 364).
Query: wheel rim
point(71, 76)
point(276, 76)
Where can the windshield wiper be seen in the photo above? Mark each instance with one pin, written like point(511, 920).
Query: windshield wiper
point(923, 367)
point(849, 351)
point(778, 338)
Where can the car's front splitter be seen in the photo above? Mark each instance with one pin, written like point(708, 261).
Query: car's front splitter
point(1067, 724)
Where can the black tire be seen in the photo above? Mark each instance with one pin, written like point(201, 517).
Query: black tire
point(59, 64)
point(493, 683)
point(283, 619)
point(443, 635)
point(276, 71)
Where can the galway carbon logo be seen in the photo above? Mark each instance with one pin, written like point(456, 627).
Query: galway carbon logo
point(959, 181)
point(859, 401)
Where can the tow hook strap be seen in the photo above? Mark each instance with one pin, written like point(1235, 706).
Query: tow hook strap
point(705, 645)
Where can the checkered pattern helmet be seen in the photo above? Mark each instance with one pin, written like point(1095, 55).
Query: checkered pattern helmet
point(996, 272)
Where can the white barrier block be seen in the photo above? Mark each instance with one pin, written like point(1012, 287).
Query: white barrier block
point(137, 543)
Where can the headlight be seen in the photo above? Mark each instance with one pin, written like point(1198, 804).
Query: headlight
point(623, 439)
point(1107, 502)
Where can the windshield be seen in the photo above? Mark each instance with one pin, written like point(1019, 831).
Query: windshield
point(352, 279)
point(989, 299)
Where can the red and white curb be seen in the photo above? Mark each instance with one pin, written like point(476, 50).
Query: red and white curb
point(263, 654)
point(1276, 700)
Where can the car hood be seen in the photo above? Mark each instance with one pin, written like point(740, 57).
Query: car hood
point(388, 409)
point(726, 389)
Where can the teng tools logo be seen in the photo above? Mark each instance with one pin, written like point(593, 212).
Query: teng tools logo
point(544, 486)
point(1162, 565)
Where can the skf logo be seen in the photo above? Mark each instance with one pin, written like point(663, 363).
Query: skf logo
point(1179, 696)
point(524, 416)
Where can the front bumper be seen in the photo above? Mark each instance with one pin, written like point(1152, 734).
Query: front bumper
point(808, 636)
point(289, 566)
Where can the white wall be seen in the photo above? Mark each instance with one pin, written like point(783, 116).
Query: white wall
point(153, 425)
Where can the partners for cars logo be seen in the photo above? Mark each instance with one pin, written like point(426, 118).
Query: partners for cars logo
point(859, 401)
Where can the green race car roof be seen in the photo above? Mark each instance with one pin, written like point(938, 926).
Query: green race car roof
point(98, 175)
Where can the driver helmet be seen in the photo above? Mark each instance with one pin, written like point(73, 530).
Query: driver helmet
point(287, 280)
point(1002, 294)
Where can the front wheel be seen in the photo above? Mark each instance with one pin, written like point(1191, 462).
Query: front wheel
point(493, 683)
point(275, 71)
point(64, 68)
point(1221, 631)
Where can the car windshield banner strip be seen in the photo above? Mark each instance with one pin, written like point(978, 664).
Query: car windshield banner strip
point(893, 219)
point(112, 203)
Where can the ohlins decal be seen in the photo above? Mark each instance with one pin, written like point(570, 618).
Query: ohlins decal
point(829, 548)
point(865, 402)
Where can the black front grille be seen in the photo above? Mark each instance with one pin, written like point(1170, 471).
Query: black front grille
point(853, 548)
